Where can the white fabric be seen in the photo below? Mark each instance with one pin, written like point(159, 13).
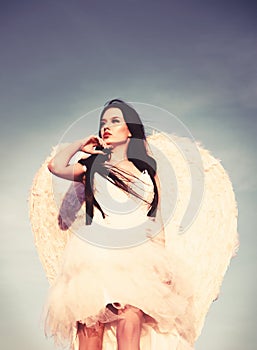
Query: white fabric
point(139, 275)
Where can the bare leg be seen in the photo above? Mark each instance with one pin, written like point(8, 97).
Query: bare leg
point(90, 338)
point(129, 329)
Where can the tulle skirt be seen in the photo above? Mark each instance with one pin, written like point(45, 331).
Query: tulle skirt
point(92, 277)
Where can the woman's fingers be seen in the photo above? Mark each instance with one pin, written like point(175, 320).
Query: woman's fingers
point(93, 141)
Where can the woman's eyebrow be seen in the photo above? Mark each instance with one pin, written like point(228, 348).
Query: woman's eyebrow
point(112, 117)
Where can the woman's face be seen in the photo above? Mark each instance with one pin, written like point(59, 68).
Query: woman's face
point(113, 128)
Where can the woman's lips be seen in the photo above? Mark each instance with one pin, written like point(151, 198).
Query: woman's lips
point(106, 134)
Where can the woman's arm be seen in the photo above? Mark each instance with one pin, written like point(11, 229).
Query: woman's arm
point(60, 166)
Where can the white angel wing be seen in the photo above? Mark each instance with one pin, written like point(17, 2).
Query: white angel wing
point(51, 218)
point(202, 253)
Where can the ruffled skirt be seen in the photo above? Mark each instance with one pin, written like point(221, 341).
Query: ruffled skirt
point(92, 277)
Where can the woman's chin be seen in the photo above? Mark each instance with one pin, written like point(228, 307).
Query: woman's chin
point(115, 143)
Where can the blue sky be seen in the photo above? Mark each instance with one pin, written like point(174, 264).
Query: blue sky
point(61, 59)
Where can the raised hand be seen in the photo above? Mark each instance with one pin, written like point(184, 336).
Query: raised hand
point(91, 143)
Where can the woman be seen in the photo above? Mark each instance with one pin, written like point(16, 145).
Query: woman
point(126, 282)
point(115, 277)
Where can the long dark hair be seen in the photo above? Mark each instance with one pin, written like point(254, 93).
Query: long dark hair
point(136, 153)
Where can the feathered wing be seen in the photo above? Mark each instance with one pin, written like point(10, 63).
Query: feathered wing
point(50, 203)
point(201, 253)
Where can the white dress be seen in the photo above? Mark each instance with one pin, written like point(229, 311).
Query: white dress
point(172, 278)
point(121, 258)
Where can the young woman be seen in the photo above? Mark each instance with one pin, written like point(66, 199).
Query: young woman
point(117, 279)
point(125, 281)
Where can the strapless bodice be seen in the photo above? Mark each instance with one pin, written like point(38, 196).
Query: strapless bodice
point(126, 222)
point(123, 209)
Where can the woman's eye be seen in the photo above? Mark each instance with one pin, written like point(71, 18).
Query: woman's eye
point(113, 121)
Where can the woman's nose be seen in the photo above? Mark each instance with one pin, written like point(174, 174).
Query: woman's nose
point(107, 125)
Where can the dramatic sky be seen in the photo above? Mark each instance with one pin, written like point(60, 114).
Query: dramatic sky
point(61, 59)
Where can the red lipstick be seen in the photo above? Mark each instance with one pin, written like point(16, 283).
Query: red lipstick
point(106, 134)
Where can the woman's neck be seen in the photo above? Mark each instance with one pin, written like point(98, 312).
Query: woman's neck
point(118, 154)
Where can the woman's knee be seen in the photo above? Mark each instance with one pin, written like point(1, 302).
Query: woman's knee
point(131, 318)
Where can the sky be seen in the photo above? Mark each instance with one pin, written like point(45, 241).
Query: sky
point(62, 59)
